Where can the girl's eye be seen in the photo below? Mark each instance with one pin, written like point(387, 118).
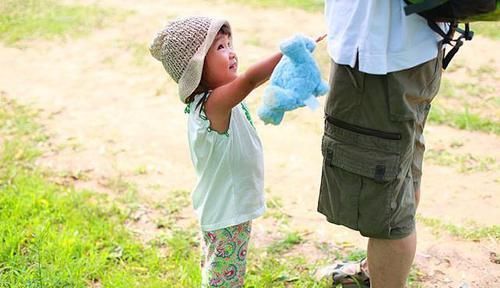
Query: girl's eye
point(220, 47)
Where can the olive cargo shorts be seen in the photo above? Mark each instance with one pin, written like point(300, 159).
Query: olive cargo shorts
point(373, 147)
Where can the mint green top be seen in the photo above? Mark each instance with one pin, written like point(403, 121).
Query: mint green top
point(229, 169)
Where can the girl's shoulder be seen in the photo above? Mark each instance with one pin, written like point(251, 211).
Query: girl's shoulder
point(198, 121)
point(196, 104)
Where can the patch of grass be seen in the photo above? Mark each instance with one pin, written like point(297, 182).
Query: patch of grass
point(309, 5)
point(182, 269)
point(18, 138)
point(264, 269)
point(474, 89)
point(415, 278)
point(355, 255)
point(154, 186)
point(472, 232)
point(464, 163)
point(484, 70)
point(46, 19)
point(54, 236)
point(57, 237)
point(463, 120)
point(275, 209)
point(71, 143)
point(122, 187)
point(269, 270)
point(254, 40)
point(291, 239)
point(139, 51)
point(141, 170)
point(456, 65)
point(487, 29)
point(178, 199)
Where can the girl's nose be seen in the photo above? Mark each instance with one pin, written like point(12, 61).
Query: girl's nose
point(232, 55)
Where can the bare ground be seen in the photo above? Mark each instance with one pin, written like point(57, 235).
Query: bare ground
point(113, 114)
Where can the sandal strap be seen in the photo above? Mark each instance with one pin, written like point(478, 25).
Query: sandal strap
point(350, 273)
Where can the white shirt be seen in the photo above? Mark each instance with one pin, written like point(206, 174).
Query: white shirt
point(386, 39)
point(229, 168)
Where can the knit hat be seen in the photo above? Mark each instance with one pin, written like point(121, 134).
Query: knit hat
point(182, 46)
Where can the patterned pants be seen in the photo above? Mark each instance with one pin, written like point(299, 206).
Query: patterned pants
point(224, 254)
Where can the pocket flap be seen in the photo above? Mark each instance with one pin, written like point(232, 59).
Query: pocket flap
point(381, 166)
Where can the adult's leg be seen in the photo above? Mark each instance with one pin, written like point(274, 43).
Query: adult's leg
point(419, 148)
point(389, 261)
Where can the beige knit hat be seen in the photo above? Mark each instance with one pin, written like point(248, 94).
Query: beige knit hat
point(182, 46)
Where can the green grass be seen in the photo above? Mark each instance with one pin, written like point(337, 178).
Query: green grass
point(465, 163)
point(291, 239)
point(355, 255)
point(471, 232)
point(182, 265)
point(487, 29)
point(140, 52)
point(473, 87)
point(275, 209)
point(55, 236)
point(464, 120)
point(46, 19)
point(119, 185)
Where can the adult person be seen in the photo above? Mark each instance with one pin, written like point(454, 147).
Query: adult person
point(385, 71)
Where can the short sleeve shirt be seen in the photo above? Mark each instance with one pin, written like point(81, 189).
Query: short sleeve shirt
point(378, 34)
point(229, 169)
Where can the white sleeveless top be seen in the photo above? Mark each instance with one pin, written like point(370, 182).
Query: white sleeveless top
point(229, 168)
point(380, 33)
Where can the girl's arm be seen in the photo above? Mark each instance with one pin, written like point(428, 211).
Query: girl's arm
point(224, 98)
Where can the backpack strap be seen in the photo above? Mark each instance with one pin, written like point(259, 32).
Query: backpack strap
point(465, 35)
point(447, 37)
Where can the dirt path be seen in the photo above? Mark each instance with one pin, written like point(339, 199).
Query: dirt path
point(111, 113)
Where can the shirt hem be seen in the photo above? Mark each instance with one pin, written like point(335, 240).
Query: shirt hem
point(233, 222)
point(393, 61)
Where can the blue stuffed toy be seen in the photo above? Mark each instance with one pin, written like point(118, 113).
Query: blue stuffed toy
point(295, 82)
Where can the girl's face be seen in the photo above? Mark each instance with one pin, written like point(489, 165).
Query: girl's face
point(221, 63)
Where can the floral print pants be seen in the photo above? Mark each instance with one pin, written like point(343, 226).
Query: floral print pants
point(224, 252)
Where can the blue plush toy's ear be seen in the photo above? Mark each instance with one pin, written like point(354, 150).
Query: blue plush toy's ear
point(292, 46)
point(295, 45)
point(310, 44)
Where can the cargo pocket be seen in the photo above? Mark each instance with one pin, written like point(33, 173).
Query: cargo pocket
point(363, 151)
point(412, 87)
point(359, 167)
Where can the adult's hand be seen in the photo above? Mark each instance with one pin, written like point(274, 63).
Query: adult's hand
point(320, 38)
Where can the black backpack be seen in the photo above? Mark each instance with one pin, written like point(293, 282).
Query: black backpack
point(453, 12)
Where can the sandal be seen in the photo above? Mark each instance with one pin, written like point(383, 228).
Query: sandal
point(348, 274)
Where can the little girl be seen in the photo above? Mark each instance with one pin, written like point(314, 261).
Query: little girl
point(226, 152)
